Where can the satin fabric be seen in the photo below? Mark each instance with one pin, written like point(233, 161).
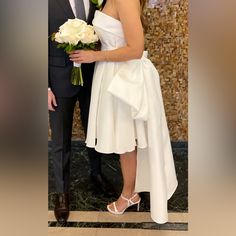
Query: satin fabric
point(127, 112)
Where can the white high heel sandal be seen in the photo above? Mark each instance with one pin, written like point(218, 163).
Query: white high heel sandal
point(129, 204)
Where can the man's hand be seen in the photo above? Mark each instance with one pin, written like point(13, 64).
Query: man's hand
point(51, 101)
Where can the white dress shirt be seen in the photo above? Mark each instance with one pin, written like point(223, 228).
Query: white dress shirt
point(86, 6)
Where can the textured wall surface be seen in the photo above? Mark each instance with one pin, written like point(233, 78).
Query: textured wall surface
point(167, 44)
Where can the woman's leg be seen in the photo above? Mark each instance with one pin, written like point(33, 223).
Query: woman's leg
point(128, 163)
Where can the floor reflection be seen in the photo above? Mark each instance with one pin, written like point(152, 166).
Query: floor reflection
point(85, 197)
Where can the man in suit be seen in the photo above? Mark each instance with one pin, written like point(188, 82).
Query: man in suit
point(62, 97)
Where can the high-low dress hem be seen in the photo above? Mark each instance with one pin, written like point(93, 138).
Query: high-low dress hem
point(105, 151)
point(127, 113)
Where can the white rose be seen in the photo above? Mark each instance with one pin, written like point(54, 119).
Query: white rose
point(68, 37)
point(72, 30)
point(75, 25)
point(89, 36)
point(58, 38)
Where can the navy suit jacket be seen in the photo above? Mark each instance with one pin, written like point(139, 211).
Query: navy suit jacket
point(59, 65)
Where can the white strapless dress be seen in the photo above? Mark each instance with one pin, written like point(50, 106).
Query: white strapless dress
point(126, 111)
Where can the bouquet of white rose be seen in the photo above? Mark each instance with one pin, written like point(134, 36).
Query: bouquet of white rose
point(75, 34)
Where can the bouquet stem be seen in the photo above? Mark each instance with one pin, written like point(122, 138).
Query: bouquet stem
point(76, 75)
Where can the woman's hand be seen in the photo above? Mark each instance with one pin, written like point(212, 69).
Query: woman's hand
point(83, 56)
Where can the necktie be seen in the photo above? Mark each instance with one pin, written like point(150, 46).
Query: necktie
point(80, 10)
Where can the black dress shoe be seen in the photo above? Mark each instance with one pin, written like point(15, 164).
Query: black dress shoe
point(103, 185)
point(61, 209)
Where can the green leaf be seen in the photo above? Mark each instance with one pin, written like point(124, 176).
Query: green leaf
point(94, 1)
point(53, 36)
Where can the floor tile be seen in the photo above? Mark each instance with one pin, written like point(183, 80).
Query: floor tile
point(118, 232)
point(72, 231)
point(163, 233)
point(95, 216)
point(139, 232)
point(84, 197)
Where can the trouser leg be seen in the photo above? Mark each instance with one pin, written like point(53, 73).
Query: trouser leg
point(61, 126)
point(84, 103)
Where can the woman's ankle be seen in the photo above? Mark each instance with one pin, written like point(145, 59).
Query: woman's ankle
point(128, 193)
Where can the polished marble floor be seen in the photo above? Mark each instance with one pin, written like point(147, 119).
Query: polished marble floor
point(114, 232)
point(88, 205)
point(102, 223)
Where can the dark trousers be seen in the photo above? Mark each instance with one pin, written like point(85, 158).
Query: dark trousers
point(61, 126)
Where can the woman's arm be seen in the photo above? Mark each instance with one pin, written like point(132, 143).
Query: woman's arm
point(129, 15)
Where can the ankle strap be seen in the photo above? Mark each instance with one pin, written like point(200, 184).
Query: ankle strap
point(130, 199)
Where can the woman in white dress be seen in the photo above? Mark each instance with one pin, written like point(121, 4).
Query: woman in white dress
point(127, 115)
